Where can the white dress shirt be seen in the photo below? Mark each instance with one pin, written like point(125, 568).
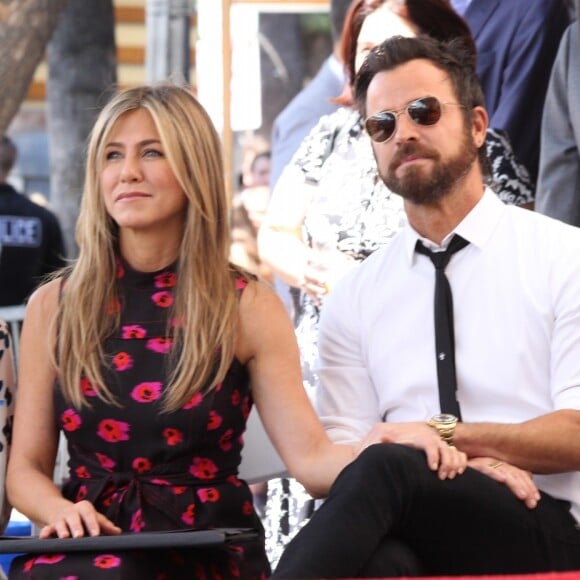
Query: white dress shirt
point(516, 294)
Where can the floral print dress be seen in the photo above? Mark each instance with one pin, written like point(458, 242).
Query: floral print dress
point(148, 470)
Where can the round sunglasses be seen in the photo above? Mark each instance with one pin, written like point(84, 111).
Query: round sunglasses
point(424, 111)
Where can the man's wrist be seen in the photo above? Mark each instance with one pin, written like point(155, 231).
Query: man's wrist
point(444, 424)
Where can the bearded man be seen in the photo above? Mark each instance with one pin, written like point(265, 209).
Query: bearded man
point(490, 377)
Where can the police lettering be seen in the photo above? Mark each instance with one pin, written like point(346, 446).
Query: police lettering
point(20, 232)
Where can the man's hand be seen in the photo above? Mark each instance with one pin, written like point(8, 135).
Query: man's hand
point(446, 460)
point(518, 480)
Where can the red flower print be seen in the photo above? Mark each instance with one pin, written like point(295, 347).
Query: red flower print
point(113, 431)
point(105, 461)
point(178, 489)
point(146, 392)
point(172, 436)
point(87, 388)
point(133, 331)
point(120, 270)
point(246, 407)
point(28, 565)
point(241, 283)
point(234, 570)
point(208, 494)
point(49, 559)
point(214, 421)
point(203, 468)
point(158, 481)
point(113, 306)
point(234, 481)
point(141, 464)
point(82, 472)
point(162, 299)
point(194, 401)
point(137, 521)
point(107, 561)
point(81, 493)
point(236, 397)
point(219, 387)
point(123, 361)
point(160, 345)
point(247, 508)
point(71, 420)
point(188, 516)
point(165, 280)
point(225, 441)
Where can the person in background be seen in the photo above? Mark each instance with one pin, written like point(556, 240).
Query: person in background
point(30, 237)
point(301, 114)
point(330, 210)
point(559, 179)
point(506, 391)
point(517, 41)
point(148, 353)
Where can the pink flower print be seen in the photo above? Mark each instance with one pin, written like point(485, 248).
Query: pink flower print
point(194, 401)
point(166, 280)
point(113, 431)
point(203, 468)
point(137, 521)
point(188, 516)
point(81, 493)
point(236, 397)
point(172, 436)
point(146, 392)
point(219, 387)
point(123, 361)
point(49, 559)
point(159, 481)
point(82, 472)
point(225, 441)
point(133, 331)
point(234, 481)
point(162, 299)
point(241, 283)
point(71, 420)
point(107, 561)
point(208, 494)
point(141, 464)
point(105, 461)
point(246, 407)
point(178, 489)
point(28, 565)
point(247, 508)
point(214, 421)
point(87, 388)
point(160, 345)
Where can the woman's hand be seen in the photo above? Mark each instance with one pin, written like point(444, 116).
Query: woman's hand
point(445, 459)
point(77, 520)
point(519, 481)
point(323, 269)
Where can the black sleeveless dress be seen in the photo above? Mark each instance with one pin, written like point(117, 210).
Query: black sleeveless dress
point(147, 470)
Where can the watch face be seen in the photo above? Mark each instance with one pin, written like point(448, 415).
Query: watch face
point(444, 418)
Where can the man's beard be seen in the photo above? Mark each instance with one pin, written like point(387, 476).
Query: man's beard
point(422, 187)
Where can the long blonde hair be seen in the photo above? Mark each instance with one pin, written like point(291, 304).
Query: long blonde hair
point(205, 301)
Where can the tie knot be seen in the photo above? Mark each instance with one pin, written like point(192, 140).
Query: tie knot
point(441, 259)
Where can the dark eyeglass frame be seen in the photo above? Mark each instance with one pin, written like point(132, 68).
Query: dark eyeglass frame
point(424, 111)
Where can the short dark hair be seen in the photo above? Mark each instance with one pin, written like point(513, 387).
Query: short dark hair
point(8, 154)
point(452, 57)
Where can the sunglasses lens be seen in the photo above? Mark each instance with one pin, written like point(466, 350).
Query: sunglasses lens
point(426, 111)
point(381, 127)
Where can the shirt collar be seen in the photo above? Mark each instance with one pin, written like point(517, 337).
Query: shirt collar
point(476, 227)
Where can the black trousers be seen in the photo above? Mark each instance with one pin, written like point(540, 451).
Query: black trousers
point(387, 514)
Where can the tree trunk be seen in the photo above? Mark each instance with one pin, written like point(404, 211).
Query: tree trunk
point(25, 28)
point(82, 73)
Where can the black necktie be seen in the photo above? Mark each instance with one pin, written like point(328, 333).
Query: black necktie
point(444, 334)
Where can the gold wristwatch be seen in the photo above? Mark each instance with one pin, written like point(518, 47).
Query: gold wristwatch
point(445, 425)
